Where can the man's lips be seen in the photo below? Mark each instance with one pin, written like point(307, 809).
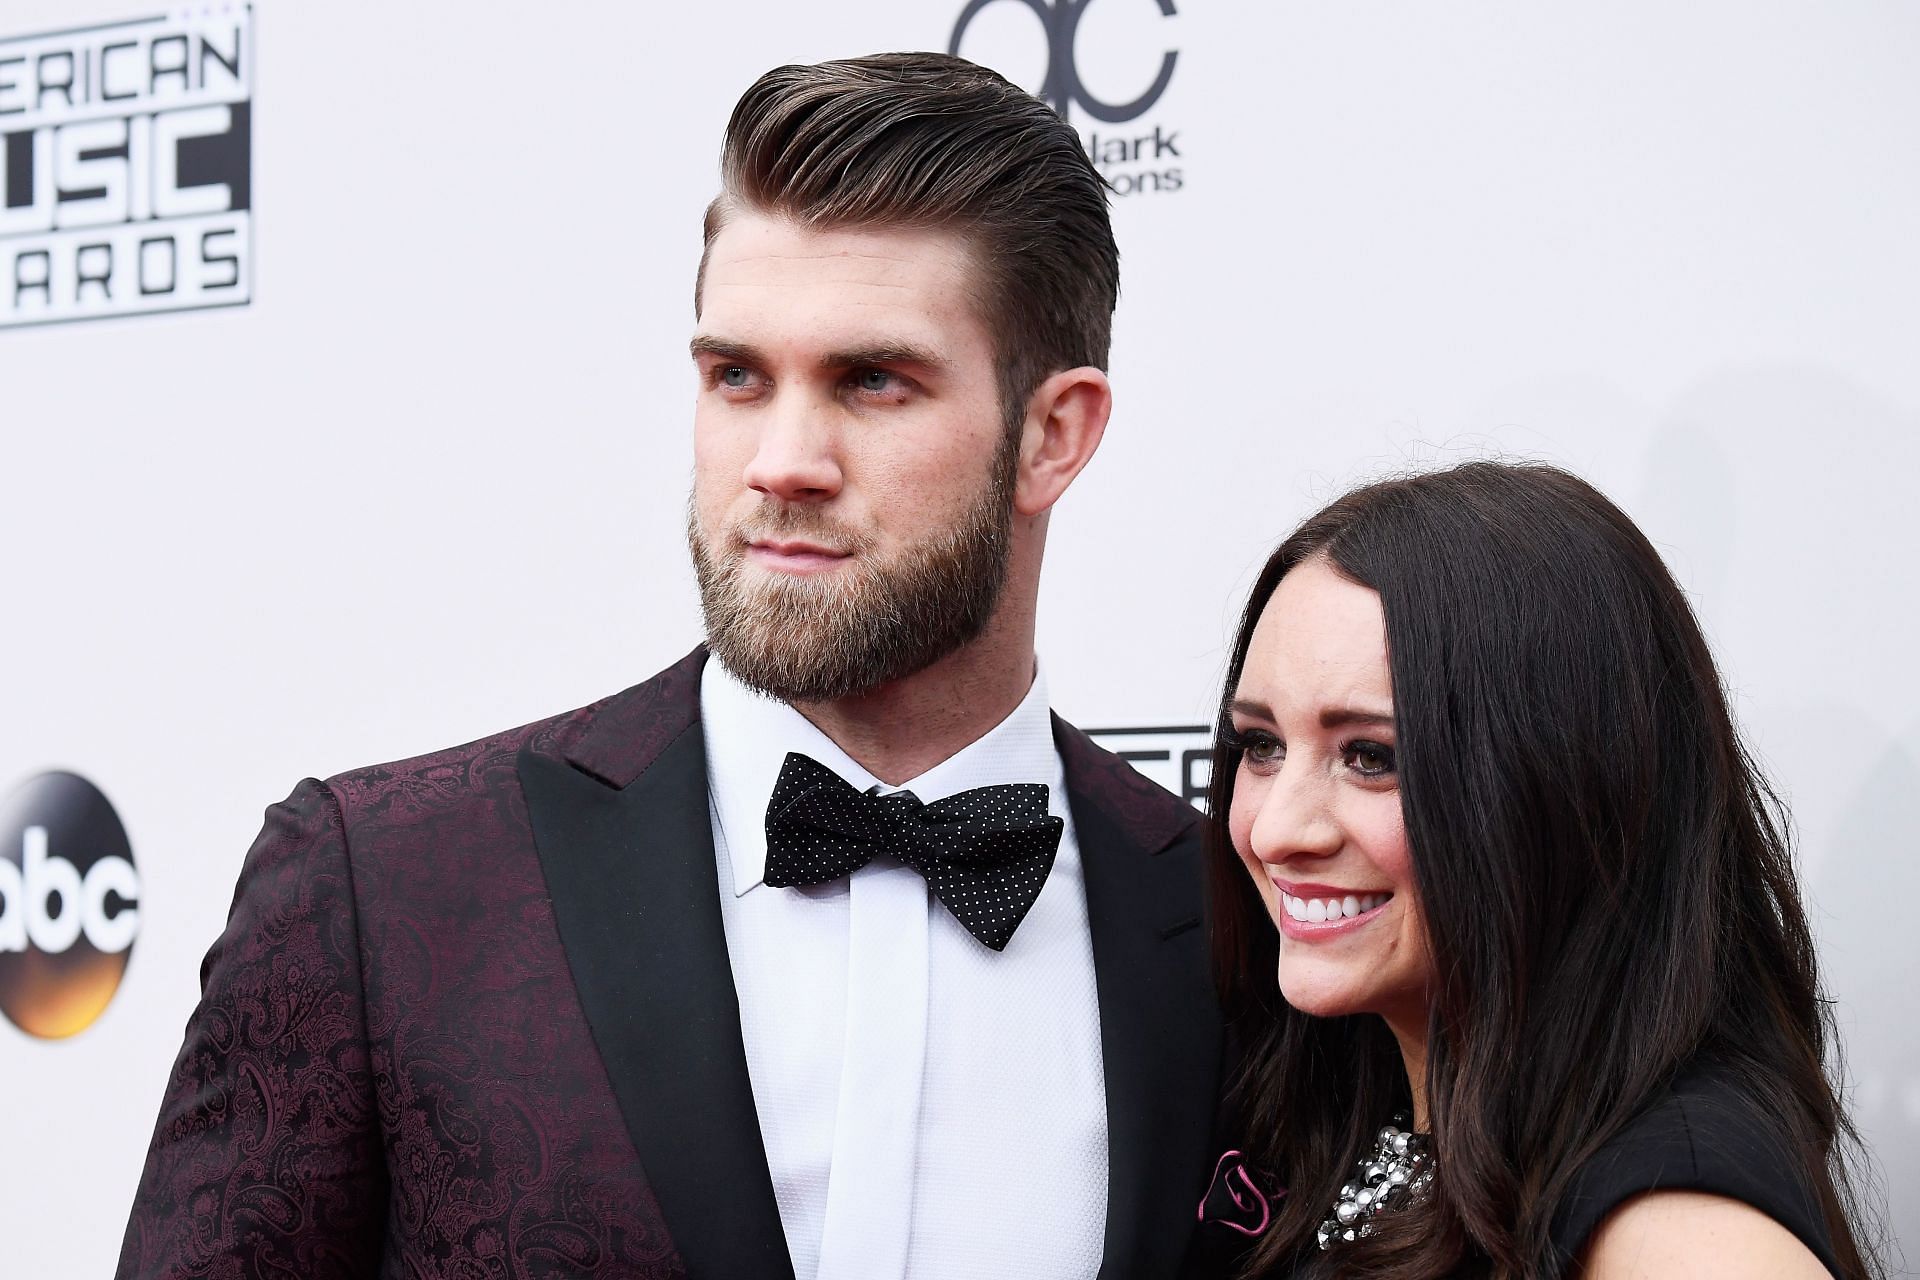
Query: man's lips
point(794, 556)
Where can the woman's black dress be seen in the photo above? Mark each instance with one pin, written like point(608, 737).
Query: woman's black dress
point(1703, 1136)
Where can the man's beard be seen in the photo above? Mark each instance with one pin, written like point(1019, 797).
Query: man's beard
point(845, 632)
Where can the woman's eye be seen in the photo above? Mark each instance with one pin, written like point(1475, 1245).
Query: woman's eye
point(1262, 750)
point(1370, 759)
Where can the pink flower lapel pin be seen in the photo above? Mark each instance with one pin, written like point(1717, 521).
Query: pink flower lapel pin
point(1240, 1197)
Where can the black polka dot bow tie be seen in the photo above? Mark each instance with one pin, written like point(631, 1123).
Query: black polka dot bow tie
point(985, 852)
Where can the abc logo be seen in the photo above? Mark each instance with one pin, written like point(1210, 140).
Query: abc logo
point(68, 904)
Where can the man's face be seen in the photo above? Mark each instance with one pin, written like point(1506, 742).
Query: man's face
point(852, 500)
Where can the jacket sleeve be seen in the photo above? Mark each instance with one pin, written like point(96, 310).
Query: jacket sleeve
point(267, 1158)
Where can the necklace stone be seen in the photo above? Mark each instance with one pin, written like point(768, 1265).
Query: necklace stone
point(1397, 1172)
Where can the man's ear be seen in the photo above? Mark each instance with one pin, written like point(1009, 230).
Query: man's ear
point(1066, 416)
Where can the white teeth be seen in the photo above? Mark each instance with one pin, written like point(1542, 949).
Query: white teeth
point(1320, 910)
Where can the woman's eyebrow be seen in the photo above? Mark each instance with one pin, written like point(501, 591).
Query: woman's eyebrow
point(1337, 717)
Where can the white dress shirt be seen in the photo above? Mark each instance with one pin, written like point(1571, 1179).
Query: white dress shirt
point(930, 1108)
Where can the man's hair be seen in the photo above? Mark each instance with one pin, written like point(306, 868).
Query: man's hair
point(929, 141)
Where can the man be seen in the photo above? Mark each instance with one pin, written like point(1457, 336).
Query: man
point(837, 956)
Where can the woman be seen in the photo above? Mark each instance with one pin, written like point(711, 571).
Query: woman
point(1480, 806)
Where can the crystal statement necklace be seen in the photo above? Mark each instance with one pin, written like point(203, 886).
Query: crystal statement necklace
point(1396, 1173)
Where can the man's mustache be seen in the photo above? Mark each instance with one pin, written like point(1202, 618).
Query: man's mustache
point(786, 521)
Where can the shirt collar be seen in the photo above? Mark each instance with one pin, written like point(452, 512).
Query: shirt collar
point(748, 737)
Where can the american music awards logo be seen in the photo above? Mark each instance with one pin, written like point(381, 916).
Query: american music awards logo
point(126, 167)
point(1178, 757)
point(1136, 150)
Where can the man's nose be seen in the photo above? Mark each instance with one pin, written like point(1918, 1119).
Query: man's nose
point(796, 458)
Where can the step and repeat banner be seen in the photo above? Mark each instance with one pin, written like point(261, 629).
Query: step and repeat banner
point(344, 409)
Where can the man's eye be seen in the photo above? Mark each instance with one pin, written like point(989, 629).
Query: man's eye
point(735, 376)
point(873, 380)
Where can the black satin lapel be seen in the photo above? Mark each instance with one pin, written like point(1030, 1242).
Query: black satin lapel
point(1160, 1034)
point(634, 887)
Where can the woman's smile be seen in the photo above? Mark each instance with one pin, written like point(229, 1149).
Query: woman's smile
point(1310, 912)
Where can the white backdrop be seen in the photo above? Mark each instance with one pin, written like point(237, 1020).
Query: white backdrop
point(429, 482)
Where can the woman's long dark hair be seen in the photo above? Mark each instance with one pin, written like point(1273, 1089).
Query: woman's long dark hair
point(1604, 875)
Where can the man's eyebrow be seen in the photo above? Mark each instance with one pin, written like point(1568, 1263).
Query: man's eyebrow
point(706, 345)
point(886, 353)
point(879, 353)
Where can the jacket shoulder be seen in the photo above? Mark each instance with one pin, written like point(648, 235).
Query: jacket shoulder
point(598, 737)
point(1096, 775)
point(422, 784)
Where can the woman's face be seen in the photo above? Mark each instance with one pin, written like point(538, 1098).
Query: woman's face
point(1316, 803)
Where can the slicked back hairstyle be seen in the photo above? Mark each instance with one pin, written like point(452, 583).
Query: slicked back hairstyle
point(927, 141)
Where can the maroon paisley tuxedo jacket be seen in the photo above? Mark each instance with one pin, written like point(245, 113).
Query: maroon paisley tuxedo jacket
point(472, 1017)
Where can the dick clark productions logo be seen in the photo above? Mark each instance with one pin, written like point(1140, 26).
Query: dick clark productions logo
point(1132, 163)
point(69, 905)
